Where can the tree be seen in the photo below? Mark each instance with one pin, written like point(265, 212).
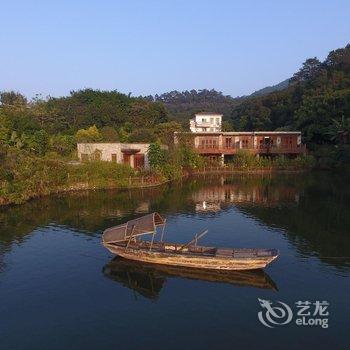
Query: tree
point(188, 157)
point(156, 156)
point(165, 132)
point(15, 140)
point(147, 114)
point(5, 131)
point(340, 131)
point(227, 126)
point(142, 135)
point(40, 112)
point(90, 134)
point(339, 59)
point(62, 144)
point(36, 142)
point(12, 98)
point(109, 134)
point(309, 69)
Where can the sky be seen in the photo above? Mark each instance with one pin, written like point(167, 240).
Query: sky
point(148, 47)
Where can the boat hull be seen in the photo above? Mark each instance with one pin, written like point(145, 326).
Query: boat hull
point(192, 261)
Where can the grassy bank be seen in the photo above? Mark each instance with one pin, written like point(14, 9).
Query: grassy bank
point(24, 176)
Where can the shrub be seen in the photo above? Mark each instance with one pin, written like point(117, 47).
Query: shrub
point(304, 161)
point(100, 174)
point(90, 134)
point(245, 159)
point(62, 144)
point(157, 156)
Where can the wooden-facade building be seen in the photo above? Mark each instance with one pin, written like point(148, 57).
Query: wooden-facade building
point(227, 144)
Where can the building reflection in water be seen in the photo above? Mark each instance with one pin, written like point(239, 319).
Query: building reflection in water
point(115, 212)
point(211, 197)
point(148, 280)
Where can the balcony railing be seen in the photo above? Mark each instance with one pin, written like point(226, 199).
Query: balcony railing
point(260, 149)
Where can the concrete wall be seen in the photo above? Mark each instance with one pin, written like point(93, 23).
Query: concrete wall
point(206, 122)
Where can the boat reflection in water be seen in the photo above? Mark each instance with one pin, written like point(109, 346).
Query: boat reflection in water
point(148, 279)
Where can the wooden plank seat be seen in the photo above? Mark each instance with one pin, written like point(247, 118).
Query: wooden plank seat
point(224, 252)
point(244, 253)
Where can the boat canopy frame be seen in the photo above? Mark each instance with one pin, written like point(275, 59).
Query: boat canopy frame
point(143, 225)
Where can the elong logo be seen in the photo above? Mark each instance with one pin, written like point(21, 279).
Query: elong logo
point(279, 313)
point(274, 315)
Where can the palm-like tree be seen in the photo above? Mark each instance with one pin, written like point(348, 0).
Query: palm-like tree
point(340, 130)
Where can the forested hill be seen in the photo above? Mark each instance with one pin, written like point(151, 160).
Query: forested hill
point(183, 104)
point(317, 102)
point(268, 89)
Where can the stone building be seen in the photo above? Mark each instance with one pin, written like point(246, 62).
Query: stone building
point(133, 154)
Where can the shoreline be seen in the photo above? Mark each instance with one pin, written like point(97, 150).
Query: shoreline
point(209, 171)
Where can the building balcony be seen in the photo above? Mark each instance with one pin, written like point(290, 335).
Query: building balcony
point(206, 125)
point(215, 149)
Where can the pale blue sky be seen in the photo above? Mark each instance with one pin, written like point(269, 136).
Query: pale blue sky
point(148, 47)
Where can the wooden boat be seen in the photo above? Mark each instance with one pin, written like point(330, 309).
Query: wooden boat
point(124, 240)
point(148, 279)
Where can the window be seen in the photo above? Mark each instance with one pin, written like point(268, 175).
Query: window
point(209, 143)
point(114, 157)
point(84, 157)
point(97, 155)
point(204, 120)
point(217, 121)
point(211, 120)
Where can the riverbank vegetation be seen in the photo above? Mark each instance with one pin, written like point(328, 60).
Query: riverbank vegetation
point(174, 163)
point(24, 176)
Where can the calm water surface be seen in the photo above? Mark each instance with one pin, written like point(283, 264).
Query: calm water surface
point(60, 289)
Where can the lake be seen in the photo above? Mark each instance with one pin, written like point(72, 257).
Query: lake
point(60, 288)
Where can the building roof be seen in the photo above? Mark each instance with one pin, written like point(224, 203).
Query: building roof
point(237, 133)
point(208, 113)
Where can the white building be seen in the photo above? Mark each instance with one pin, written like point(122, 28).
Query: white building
point(207, 122)
point(133, 154)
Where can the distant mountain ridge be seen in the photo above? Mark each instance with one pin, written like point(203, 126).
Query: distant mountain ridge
point(183, 104)
point(268, 89)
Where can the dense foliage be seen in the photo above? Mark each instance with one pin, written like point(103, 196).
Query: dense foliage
point(317, 102)
point(183, 104)
point(86, 115)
